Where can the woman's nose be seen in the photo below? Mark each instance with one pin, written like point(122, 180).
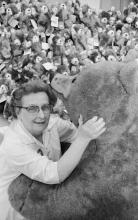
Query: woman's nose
point(41, 113)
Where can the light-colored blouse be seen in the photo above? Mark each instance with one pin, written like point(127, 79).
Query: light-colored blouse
point(20, 154)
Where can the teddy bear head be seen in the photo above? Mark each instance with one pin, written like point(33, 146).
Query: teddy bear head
point(112, 20)
point(95, 56)
point(130, 14)
point(110, 55)
point(86, 10)
point(104, 17)
point(112, 79)
point(11, 9)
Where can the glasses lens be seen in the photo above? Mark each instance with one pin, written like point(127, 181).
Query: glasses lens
point(33, 109)
point(46, 108)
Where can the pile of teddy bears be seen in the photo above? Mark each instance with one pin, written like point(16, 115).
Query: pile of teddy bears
point(38, 41)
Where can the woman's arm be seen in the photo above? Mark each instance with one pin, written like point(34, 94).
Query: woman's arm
point(23, 159)
point(70, 159)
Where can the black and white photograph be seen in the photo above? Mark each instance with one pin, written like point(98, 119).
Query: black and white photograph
point(69, 110)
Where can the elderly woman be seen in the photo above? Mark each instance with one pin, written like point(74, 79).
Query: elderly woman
point(31, 146)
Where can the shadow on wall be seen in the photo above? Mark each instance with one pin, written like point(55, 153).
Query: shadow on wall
point(51, 2)
point(91, 3)
point(99, 4)
point(119, 4)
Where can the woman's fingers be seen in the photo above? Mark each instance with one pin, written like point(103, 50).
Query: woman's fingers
point(94, 119)
point(94, 126)
point(100, 125)
point(92, 129)
point(101, 131)
point(96, 123)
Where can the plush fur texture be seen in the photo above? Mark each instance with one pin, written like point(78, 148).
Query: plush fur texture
point(104, 186)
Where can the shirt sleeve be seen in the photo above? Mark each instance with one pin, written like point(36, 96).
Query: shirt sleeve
point(33, 165)
point(67, 131)
point(1, 138)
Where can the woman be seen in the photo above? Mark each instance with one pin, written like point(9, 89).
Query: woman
point(31, 146)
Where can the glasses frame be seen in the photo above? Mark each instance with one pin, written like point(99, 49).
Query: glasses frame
point(38, 108)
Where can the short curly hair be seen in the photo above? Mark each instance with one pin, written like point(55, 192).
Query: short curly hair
point(32, 86)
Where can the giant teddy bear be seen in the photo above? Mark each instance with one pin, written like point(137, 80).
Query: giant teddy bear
point(104, 186)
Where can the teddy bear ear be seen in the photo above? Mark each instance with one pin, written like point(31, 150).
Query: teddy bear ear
point(62, 84)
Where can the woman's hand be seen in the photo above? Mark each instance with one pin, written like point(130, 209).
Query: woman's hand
point(91, 129)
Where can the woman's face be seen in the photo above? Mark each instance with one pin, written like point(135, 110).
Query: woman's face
point(35, 121)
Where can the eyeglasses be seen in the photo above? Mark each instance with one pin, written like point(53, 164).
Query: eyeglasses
point(34, 109)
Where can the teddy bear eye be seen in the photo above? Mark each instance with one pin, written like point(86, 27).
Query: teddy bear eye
point(59, 41)
point(29, 66)
point(55, 78)
point(44, 8)
point(8, 76)
point(104, 19)
point(38, 59)
point(28, 11)
point(111, 33)
point(136, 46)
point(126, 35)
point(89, 11)
point(17, 42)
point(98, 58)
point(3, 88)
point(110, 58)
point(9, 10)
point(28, 43)
point(65, 73)
point(80, 31)
point(62, 5)
point(136, 24)
point(35, 39)
point(3, 3)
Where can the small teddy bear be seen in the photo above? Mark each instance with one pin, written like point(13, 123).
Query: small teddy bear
point(104, 18)
point(110, 55)
point(95, 56)
point(58, 45)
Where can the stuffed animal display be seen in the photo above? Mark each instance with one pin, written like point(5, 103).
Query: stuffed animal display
point(36, 36)
point(104, 186)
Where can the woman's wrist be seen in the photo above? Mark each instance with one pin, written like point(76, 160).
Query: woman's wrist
point(83, 138)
